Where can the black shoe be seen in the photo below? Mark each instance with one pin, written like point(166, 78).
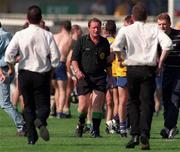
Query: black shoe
point(123, 132)
point(52, 114)
point(79, 130)
point(164, 133)
point(173, 132)
point(133, 142)
point(32, 141)
point(87, 128)
point(68, 115)
point(43, 131)
point(95, 134)
point(60, 115)
point(144, 143)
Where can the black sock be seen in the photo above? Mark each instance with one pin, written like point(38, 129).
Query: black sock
point(82, 117)
point(96, 124)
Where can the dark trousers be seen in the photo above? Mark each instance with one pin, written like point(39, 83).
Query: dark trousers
point(171, 96)
point(35, 89)
point(141, 85)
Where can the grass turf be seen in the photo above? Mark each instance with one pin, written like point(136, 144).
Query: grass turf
point(62, 138)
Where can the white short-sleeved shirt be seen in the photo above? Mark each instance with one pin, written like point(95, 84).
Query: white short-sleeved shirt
point(37, 49)
point(141, 41)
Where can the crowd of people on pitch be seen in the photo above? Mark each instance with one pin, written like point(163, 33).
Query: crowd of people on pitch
point(129, 73)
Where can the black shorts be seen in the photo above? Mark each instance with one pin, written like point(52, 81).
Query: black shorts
point(90, 83)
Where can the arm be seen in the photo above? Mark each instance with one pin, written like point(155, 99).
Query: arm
point(5, 40)
point(109, 71)
point(2, 76)
point(77, 71)
point(68, 64)
point(119, 45)
point(163, 56)
point(166, 45)
point(111, 57)
point(11, 54)
point(54, 53)
point(10, 69)
point(76, 54)
point(12, 50)
point(120, 41)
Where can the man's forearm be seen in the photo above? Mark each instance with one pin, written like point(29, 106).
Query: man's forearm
point(163, 56)
point(109, 71)
point(11, 68)
point(75, 66)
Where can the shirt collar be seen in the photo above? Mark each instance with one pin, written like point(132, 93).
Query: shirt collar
point(88, 38)
point(33, 25)
point(139, 22)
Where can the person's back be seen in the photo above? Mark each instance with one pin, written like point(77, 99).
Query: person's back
point(141, 39)
point(141, 42)
point(64, 40)
point(38, 55)
point(143, 53)
point(34, 46)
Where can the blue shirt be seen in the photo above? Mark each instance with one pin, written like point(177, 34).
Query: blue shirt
point(5, 38)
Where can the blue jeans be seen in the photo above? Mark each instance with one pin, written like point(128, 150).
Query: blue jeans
point(7, 106)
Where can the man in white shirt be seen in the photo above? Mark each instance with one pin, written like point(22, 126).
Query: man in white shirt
point(38, 54)
point(141, 41)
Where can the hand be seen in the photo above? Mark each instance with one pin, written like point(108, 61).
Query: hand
point(111, 57)
point(10, 70)
point(79, 74)
point(121, 64)
point(2, 76)
point(159, 68)
point(17, 59)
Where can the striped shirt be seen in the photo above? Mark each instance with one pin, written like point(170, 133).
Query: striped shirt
point(173, 59)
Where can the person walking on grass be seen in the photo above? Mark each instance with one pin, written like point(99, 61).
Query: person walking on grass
point(141, 41)
point(89, 60)
point(6, 78)
point(64, 42)
point(170, 79)
point(39, 54)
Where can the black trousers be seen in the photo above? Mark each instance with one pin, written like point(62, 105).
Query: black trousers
point(171, 96)
point(35, 89)
point(141, 86)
